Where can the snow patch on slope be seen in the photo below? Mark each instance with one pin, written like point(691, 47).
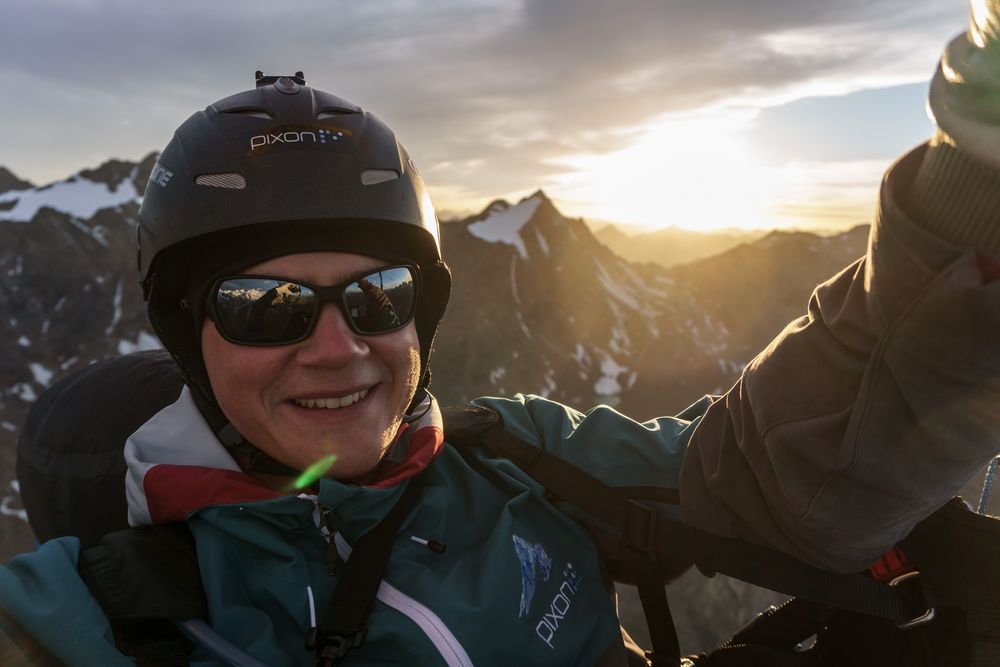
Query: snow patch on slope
point(23, 391)
point(117, 316)
point(608, 384)
point(78, 197)
point(41, 374)
point(7, 507)
point(542, 242)
point(497, 374)
point(550, 384)
point(145, 341)
point(504, 225)
point(619, 289)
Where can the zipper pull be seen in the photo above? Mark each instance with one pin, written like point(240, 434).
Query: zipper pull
point(433, 545)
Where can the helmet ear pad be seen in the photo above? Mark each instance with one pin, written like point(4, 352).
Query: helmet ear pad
point(180, 334)
point(435, 291)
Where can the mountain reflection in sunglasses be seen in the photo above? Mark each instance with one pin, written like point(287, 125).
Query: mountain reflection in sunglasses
point(270, 310)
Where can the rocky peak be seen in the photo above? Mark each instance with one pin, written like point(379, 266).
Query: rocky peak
point(533, 223)
point(111, 173)
point(540, 195)
point(8, 181)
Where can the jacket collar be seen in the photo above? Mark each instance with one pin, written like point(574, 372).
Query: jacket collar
point(176, 465)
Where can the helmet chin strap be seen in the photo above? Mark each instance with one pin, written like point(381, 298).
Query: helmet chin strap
point(421, 403)
point(232, 439)
point(259, 461)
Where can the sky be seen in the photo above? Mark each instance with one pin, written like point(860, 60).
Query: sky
point(697, 113)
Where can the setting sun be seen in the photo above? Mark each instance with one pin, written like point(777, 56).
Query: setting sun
point(697, 173)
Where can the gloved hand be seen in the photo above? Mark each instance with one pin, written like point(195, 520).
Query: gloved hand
point(965, 92)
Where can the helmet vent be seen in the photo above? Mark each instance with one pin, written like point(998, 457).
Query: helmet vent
point(230, 180)
point(333, 113)
point(256, 113)
point(376, 176)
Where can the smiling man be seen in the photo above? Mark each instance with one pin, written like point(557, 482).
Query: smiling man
point(339, 395)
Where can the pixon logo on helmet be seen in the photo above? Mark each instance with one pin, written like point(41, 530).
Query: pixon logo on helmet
point(296, 134)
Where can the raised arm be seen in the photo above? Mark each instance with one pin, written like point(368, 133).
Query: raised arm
point(872, 410)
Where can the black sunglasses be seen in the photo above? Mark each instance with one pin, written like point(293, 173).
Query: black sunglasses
point(267, 310)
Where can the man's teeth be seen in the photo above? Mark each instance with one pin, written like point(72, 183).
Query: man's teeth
point(341, 402)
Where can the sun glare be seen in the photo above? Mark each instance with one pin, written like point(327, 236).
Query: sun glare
point(695, 173)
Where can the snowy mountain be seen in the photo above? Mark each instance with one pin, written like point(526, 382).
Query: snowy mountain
point(539, 305)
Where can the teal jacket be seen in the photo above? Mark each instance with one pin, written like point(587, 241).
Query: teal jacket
point(519, 582)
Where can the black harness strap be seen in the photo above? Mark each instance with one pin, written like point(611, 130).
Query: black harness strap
point(662, 633)
point(780, 572)
point(345, 621)
point(154, 644)
point(782, 627)
point(747, 655)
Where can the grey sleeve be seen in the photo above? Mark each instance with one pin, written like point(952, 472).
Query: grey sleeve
point(865, 415)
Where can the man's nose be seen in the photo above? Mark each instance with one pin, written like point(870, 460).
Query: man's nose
point(332, 342)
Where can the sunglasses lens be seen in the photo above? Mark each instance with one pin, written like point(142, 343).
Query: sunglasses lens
point(262, 311)
point(381, 301)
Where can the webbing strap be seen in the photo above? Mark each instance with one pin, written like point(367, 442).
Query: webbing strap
point(780, 572)
point(153, 643)
point(784, 626)
point(662, 633)
point(343, 625)
point(748, 655)
point(165, 652)
point(635, 521)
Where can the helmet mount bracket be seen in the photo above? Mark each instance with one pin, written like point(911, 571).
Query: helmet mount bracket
point(260, 79)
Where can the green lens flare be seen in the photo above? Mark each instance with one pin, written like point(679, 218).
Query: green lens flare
point(315, 471)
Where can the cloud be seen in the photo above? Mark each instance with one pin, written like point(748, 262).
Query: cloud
point(504, 86)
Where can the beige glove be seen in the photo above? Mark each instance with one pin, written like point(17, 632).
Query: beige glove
point(964, 95)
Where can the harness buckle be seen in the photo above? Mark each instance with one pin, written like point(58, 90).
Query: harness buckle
point(332, 648)
point(639, 536)
point(906, 582)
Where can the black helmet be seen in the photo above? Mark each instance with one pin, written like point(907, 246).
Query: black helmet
point(279, 169)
